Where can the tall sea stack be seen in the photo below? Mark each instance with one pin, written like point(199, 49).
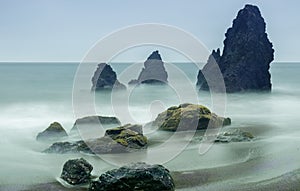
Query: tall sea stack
point(246, 56)
point(105, 78)
point(153, 72)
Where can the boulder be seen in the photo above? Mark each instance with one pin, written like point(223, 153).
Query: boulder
point(55, 130)
point(138, 176)
point(76, 171)
point(127, 138)
point(234, 135)
point(153, 72)
point(246, 56)
point(90, 121)
point(105, 78)
point(188, 117)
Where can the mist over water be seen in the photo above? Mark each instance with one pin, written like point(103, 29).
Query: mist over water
point(35, 95)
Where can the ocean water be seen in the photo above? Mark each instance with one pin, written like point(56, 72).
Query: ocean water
point(35, 94)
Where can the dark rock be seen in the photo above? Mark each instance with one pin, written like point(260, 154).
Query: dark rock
point(133, 82)
point(234, 135)
point(105, 78)
point(116, 131)
point(188, 117)
point(246, 56)
point(122, 139)
point(90, 121)
point(69, 147)
point(76, 171)
point(153, 72)
point(55, 130)
point(138, 176)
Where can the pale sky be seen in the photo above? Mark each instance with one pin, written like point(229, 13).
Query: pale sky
point(64, 30)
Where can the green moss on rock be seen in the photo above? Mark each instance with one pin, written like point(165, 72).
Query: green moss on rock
point(121, 139)
point(55, 130)
point(189, 117)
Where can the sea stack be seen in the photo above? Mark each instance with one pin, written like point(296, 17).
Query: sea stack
point(153, 72)
point(246, 56)
point(105, 78)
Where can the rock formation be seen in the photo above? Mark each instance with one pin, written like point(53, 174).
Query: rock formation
point(188, 117)
point(127, 138)
point(246, 56)
point(105, 78)
point(55, 130)
point(153, 72)
point(90, 121)
point(138, 176)
point(76, 171)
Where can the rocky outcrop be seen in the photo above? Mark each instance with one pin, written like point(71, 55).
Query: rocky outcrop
point(246, 56)
point(127, 138)
point(76, 171)
point(153, 72)
point(105, 78)
point(89, 121)
point(188, 117)
point(234, 135)
point(138, 176)
point(54, 131)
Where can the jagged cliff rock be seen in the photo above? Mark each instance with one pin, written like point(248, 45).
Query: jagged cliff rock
point(105, 78)
point(246, 56)
point(153, 71)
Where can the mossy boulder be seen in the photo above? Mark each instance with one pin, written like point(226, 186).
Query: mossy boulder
point(54, 131)
point(125, 138)
point(189, 117)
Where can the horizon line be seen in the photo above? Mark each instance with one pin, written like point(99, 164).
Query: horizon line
point(73, 62)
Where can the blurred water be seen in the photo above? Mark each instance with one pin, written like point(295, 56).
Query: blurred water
point(34, 95)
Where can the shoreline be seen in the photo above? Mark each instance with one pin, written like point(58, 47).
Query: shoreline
point(202, 179)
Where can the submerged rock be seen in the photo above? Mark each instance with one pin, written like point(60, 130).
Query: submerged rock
point(68, 147)
point(188, 117)
point(153, 72)
point(105, 78)
point(138, 176)
point(246, 56)
point(127, 138)
point(95, 120)
point(234, 135)
point(55, 130)
point(76, 171)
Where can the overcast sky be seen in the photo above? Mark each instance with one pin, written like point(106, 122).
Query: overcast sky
point(64, 30)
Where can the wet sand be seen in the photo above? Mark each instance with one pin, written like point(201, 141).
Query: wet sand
point(209, 179)
point(204, 180)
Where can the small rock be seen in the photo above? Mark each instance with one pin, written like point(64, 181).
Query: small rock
point(234, 135)
point(55, 130)
point(138, 176)
point(91, 121)
point(77, 171)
